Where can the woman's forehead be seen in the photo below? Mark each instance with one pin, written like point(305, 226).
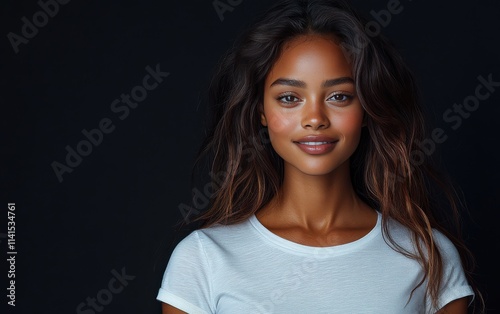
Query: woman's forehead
point(311, 56)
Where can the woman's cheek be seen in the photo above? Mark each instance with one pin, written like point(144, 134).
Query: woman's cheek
point(349, 123)
point(279, 122)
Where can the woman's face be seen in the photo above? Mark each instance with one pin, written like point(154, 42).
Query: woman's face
point(310, 92)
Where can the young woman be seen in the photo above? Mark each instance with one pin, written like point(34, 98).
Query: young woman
point(322, 201)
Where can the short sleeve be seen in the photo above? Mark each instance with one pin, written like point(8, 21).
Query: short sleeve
point(454, 285)
point(186, 283)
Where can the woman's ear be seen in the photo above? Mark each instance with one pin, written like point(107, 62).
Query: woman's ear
point(263, 119)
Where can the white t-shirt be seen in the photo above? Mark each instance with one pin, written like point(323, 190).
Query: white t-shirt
point(245, 268)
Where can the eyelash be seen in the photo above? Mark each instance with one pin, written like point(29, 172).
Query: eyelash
point(280, 98)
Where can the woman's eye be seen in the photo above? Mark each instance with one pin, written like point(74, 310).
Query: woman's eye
point(288, 99)
point(341, 97)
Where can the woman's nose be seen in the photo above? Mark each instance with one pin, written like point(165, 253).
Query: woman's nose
point(314, 115)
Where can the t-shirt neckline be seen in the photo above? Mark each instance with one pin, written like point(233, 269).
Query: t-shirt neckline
point(295, 247)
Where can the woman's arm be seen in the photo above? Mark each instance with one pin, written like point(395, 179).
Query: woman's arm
point(169, 309)
point(458, 306)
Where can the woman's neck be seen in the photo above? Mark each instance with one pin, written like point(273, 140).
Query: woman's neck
point(318, 203)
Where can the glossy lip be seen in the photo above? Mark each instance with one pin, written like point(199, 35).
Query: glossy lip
point(316, 149)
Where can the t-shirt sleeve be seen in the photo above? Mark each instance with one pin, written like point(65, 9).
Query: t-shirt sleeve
point(186, 282)
point(455, 284)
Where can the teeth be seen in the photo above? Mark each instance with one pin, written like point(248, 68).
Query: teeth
point(313, 143)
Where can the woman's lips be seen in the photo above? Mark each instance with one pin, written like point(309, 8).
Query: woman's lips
point(316, 144)
point(316, 148)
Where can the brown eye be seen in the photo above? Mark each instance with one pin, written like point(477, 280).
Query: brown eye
point(341, 97)
point(288, 99)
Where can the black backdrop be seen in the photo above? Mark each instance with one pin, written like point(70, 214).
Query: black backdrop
point(104, 230)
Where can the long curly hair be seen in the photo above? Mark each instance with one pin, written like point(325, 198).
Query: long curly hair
point(389, 170)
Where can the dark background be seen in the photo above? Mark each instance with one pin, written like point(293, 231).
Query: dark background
point(116, 210)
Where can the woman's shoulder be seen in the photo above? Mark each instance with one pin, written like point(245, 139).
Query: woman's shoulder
point(215, 235)
point(446, 246)
point(403, 234)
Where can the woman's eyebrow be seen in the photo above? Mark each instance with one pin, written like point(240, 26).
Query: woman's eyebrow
point(302, 84)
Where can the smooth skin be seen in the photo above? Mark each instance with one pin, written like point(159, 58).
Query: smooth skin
point(310, 91)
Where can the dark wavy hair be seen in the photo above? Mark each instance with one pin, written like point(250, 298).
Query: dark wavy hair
point(389, 171)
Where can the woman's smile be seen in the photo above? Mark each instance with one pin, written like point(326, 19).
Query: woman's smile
point(316, 144)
